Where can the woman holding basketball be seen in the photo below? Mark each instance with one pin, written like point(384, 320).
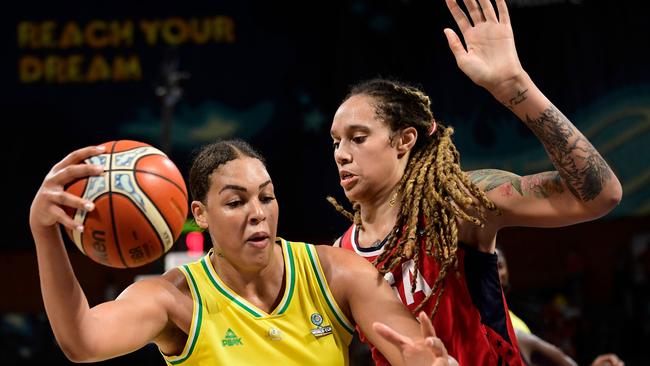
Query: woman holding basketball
point(254, 299)
point(429, 226)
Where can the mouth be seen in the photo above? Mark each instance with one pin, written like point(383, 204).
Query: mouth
point(259, 239)
point(348, 180)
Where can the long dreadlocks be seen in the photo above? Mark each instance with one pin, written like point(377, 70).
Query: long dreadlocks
point(435, 190)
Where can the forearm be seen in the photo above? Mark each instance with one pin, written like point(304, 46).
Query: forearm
point(65, 302)
point(582, 168)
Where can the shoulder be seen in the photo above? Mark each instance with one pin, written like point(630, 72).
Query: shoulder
point(167, 289)
point(342, 265)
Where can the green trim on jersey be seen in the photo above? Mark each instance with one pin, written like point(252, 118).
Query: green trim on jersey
point(197, 318)
point(322, 284)
point(290, 278)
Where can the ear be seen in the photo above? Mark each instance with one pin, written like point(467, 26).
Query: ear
point(407, 138)
point(200, 214)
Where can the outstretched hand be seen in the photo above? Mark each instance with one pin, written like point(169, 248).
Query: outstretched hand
point(489, 56)
point(429, 350)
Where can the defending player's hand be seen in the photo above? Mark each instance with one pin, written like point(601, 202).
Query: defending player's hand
point(427, 350)
point(489, 56)
point(47, 206)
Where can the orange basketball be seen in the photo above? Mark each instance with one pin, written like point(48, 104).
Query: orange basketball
point(140, 206)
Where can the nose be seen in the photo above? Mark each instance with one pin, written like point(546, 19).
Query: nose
point(341, 155)
point(257, 213)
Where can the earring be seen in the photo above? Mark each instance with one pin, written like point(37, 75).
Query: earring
point(393, 199)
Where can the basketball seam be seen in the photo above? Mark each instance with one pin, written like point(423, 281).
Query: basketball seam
point(110, 205)
point(157, 175)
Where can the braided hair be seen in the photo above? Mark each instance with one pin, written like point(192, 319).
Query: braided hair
point(435, 190)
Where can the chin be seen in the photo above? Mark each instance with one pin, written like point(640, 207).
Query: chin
point(354, 195)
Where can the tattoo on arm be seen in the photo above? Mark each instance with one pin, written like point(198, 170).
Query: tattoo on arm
point(581, 167)
point(541, 185)
point(519, 98)
point(490, 179)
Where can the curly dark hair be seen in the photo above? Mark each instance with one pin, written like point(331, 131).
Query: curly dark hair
point(210, 157)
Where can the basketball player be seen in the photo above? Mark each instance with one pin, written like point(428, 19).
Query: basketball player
point(429, 227)
point(254, 299)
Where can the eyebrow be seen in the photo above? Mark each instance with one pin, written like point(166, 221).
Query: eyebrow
point(353, 128)
point(242, 189)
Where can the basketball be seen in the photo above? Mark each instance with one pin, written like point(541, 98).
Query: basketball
point(140, 206)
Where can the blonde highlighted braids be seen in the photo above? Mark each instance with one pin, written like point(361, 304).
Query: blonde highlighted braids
point(435, 191)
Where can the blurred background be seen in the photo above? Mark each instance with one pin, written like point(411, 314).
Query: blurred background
point(178, 75)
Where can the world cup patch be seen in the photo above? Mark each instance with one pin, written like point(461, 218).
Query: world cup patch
point(319, 331)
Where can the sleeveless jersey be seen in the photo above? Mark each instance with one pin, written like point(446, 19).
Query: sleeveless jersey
point(518, 324)
point(306, 328)
point(472, 318)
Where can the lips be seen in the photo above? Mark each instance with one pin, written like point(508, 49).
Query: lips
point(259, 239)
point(348, 180)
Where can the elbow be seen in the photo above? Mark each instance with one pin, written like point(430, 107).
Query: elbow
point(612, 196)
point(607, 200)
point(74, 353)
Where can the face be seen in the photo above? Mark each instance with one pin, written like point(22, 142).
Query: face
point(241, 213)
point(369, 163)
point(503, 270)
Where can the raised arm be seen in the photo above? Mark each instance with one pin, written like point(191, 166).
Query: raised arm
point(368, 299)
point(109, 329)
point(583, 187)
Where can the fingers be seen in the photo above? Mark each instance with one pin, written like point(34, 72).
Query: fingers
point(70, 173)
point(78, 156)
point(64, 219)
point(454, 44)
point(452, 361)
point(474, 11)
point(437, 346)
point(459, 15)
point(488, 10)
point(425, 325)
point(504, 17)
point(389, 334)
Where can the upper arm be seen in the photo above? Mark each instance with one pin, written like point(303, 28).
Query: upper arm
point(368, 298)
point(135, 318)
point(538, 200)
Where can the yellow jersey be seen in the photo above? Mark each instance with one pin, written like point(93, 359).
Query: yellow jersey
point(306, 328)
point(518, 324)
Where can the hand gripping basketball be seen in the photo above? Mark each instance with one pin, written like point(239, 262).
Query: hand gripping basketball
point(140, 205)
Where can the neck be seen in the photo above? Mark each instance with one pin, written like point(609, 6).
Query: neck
point(378, 218)
point(259, 285)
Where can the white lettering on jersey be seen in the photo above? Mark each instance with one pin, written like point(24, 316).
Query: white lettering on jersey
point(390, 278)
point(420, 283)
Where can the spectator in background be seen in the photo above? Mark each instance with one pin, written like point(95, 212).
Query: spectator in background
point(534, 350)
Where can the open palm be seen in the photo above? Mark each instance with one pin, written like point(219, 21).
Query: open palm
point(490, 57)
point(426, 351)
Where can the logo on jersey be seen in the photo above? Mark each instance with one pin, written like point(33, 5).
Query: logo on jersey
point(316, 319)
point(231, 339)
point(319, 331)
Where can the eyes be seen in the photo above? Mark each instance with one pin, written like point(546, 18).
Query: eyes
point(237, 202)
point(357, 140)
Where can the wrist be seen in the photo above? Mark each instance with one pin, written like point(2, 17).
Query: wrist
point(510, 91)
